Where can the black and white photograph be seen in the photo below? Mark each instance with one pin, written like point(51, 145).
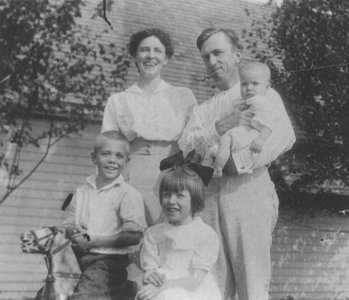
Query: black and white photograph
point(174, 150)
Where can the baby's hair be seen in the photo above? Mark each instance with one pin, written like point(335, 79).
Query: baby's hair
point(248, 65)
point(112, 135)
point(182, 178)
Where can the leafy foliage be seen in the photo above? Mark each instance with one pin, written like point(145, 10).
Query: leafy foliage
point(50, 67)
point(306, 44)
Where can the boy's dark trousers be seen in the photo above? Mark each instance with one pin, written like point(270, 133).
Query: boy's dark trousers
point(104, 277)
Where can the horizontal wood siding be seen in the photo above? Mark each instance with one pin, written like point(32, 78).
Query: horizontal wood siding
point(38, 203)
point(310, 257)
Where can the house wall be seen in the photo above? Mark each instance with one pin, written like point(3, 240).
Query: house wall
point(183, 20)
point(38, 203)
point(310, 255)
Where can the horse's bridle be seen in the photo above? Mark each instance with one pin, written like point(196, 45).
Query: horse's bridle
point(48, 253)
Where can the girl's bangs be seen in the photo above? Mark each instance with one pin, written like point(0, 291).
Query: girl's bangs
point(173, 182)
point(178, 180)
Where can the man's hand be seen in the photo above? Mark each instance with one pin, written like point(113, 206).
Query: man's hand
point(155, 278)
point(148, 292)
point(241, 116)
point(256, 145)
point(70, 231)
point(81, 242)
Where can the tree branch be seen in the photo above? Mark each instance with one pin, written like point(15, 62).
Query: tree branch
point(10, 189)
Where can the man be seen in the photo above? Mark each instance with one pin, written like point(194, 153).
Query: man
point(243, 208)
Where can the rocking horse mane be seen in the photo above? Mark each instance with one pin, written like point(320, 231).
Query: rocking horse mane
point(61, 262)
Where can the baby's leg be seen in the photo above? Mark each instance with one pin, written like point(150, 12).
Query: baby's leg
point(223, 154)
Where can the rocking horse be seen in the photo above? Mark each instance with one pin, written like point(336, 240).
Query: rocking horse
point(62, 265)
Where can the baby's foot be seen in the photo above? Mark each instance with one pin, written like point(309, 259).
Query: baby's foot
point(208, 160)
point(217, 173)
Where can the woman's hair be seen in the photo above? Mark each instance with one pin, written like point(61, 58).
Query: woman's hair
point(230, 34)
point(181, 178)
point(139, 36)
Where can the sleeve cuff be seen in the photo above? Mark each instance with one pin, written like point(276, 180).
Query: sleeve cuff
point(133, 227)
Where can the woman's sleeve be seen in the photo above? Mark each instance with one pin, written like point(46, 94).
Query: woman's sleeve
point(150, 256)
point(110, 116)
point(195, 134)
point(206, 250)
point(282, 137)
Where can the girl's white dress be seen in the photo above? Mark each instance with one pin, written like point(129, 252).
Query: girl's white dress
point(176, 250)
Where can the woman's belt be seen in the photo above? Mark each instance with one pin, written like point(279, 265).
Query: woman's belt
point(141, 146)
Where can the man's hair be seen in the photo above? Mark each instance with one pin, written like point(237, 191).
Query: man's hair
point(247, 65)
point(139, 36)
point(182, 178)
point(112, 135)
point(230, 34)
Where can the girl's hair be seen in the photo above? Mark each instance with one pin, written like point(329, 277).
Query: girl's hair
point(139, 36)
point(181, 178)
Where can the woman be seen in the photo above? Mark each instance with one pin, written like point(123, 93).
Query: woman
point(151, 114)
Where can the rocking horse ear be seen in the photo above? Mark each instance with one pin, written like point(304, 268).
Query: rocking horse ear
point(67, 201)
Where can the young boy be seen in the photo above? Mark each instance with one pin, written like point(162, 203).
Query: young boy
point(106, 223)
point(254, 83)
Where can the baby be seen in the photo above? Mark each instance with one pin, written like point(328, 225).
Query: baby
point(254, 82)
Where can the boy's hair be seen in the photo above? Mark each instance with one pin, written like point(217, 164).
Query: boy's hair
point(230, 34)
point(181, 178)
point(112, 135)
point(139, 36)
point(255, 64)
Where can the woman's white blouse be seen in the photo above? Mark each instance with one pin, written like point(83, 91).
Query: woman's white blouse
point(160, 117)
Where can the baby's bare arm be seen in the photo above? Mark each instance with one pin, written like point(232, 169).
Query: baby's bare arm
point(258, 142)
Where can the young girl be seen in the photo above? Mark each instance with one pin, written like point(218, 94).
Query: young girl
point(178, 254)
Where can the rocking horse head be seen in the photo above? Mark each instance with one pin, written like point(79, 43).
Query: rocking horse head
point(63, 268)
point(38, 241)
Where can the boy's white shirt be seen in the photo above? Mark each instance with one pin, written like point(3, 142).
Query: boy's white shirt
point(108, 211)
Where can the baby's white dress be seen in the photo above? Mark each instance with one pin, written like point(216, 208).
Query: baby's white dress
point(176, 250)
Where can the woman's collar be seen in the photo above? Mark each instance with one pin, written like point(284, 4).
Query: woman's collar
point(134, 88)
